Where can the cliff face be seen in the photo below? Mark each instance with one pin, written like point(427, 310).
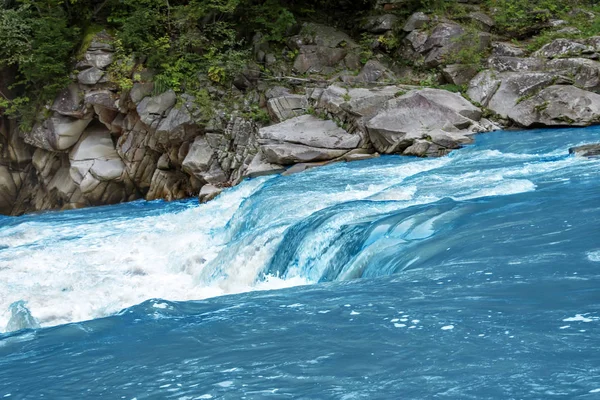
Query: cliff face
point(96, 144)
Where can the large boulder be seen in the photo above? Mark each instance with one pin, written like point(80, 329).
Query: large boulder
point(287, 106)
point(379, 23)
point(320, 48)
point(305, 139)
point(558, 105)
point(417, 115)
point(502, 92)
point(95, 154)
point(152, 109)
point(360, 102)
point(562, 48)
point(57, 133)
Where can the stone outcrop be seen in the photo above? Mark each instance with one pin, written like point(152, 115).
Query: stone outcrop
point(424, 122)
point(99, 145)
point(557, 86)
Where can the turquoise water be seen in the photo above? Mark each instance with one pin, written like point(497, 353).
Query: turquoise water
point(473, 276)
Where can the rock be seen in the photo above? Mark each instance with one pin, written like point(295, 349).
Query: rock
point(459, 74)
point(103, 98)
point(482, 21)
point(152, 109)
point(416, 21)
point(360, 102)
point(169, 185)
point(588, 150)
point(506, 49)
point(418, 113)
point(449, 38)
point(69, 102)
point(564, 48)
point(90, 76)
point(95, 154)
point(287, 106)
point(310, 131)
point(199, 158)
point(379, 23)
point(57, 133)
point(260, 167)
point(177, 126)
point(140, 90)
point(208, 193)
point(305, 139)
point(98, 58)
point(373, 71)
point(515, 87)
point(558, 105)
point(320, 47)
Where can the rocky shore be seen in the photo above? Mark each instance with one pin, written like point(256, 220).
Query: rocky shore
point(97, 145)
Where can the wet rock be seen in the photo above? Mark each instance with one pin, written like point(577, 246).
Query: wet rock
point(588, 150)
point(208, 193)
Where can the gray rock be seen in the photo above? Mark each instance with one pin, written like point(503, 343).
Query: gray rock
point(373, 71)
point(169, 185)
point(515, 87)
point(320, 47)
point(57, 133)
point(360, 102)
point(459, 74)
point(287, 106)
point(152, 109)
point(98, 58)
point(564, 48)
point(95, 155)
point(90, 76)
point(416, 21)
point(199, 158)
point(310, 131)
point(69, 102)
point(260, 167)
point(416, 115)
point(103, 98)
point(208, 193)
point(483, 21)
point(290, 153)
point(140, 90)
point(506, 49)
point(588, 150)
point(558, 105)
point(379, 23)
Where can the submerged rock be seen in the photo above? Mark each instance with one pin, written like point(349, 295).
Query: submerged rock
point(587, 150)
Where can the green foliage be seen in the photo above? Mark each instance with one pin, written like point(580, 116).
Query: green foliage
point(366, 50)
point(469, 52)
point(517, 17)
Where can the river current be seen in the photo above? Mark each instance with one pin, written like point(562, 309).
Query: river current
point(472, 276)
